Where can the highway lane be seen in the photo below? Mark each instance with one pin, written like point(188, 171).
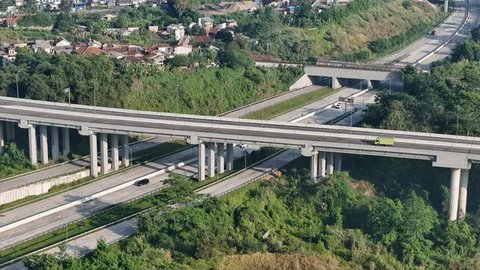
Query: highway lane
point(429, 43)
point(67, 168)
point(45, 224)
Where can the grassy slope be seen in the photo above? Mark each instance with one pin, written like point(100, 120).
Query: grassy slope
point(355, 32)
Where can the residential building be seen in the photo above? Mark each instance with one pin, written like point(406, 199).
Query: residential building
point(205, 22)
point(176, 30)
point(89, 50)
point(41, 45)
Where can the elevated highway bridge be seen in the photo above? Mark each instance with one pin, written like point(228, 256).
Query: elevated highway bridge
point(447, 151)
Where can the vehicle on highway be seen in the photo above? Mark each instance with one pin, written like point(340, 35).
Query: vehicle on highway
point(242, 145)
point(337, 105)
point(384, 141)
point(142, 182)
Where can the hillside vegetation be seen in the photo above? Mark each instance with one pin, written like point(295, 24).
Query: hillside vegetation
point(104, 81)
point(341, 32)
point(384, 20)
point(290, 223)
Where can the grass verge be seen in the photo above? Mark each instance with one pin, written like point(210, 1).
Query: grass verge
point(291, 104)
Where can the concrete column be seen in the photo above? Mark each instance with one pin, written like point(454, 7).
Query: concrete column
point(2, 137)
point(125, 151)
point(32, 145)
point(329, 163)
point(335, 83)
point(322, 164)
point(55, 144)
point(211, 160)
point(115, 159)
point(10, 131)
point(445, 6)
point(104, 153)
point(454, 192)
point(93, 155)
point(229, 156)
point(201, 161)
point(220, 158)
point(66, 141)
point(43, 145)
point(338, 162)
point(314, 167)
point(369, 84)
point(462, 200)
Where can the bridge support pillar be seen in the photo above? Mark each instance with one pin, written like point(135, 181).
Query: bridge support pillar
point(55, 144)
point(32, 145)
point(104, 153)
point(10, 131)
point(115, 158)
point(454, 192)
point(93, 155)
point(338, 162)
point(322, 164)
point(445, 6)
point(125, 151)
point(211, 159)
point(201, 161)
point(369, 84)
point(229, 156)
point(330, 159)
point(314, 166)
point(2, 137)
point(335, 83)
point(43, 145)
point(462, 200)
point(220, 158)
point(66, 141)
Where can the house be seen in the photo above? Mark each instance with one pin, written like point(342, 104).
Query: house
point(79, 6)
point(89, 50)
point(123, 2)
point(94, 43)
point(231, 23)
point(18, 3)
point(176, 30)
point(62, 43)
point(109, 17)
point(41, 45)
point(205, 22)
point(182, 47)
point(201, 40)
point(165, 48)
point(153, 28)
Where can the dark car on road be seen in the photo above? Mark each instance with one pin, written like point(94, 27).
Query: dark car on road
point(142, 182)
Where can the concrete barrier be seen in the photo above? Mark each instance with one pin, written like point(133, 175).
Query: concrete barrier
point(40, 187)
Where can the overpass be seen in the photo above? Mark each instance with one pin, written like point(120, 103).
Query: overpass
point(324, 144)
point(348, 70)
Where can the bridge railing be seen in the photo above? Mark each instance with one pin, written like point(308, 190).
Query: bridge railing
point(350, 65)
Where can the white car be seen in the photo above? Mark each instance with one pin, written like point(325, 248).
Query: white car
point(337, 105)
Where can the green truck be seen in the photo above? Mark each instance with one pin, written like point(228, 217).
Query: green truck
point(384, 141)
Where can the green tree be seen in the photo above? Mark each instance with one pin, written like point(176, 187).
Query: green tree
point(235, 58)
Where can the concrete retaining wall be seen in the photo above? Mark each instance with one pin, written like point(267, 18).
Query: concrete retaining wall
point(40, 187)
point(303, 82)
